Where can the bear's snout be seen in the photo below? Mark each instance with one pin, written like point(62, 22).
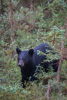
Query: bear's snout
point(21, 63)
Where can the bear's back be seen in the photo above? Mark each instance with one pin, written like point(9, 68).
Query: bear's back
point(42, 47)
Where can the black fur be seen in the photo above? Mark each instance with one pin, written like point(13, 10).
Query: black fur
point(28, 60)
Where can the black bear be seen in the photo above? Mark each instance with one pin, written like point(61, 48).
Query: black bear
point(29, 59)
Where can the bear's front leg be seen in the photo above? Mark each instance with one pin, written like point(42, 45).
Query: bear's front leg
point(23, 81)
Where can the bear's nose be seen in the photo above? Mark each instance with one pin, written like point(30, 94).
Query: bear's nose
point(20, 63)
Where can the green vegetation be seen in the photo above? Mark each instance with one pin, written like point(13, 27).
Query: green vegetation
point(32, 26)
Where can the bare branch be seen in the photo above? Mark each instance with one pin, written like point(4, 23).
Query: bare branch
point(61, 56)
point(12, 22)
point(48, 91)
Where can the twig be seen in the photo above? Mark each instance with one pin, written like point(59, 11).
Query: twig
point(64, 73)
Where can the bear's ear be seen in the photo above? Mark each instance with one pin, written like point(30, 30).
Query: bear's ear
point(31, 52)
point(18, 50)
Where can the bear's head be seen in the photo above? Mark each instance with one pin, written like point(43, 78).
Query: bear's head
point(24, 57)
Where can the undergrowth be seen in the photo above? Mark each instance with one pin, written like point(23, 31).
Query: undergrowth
point(10, 75)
